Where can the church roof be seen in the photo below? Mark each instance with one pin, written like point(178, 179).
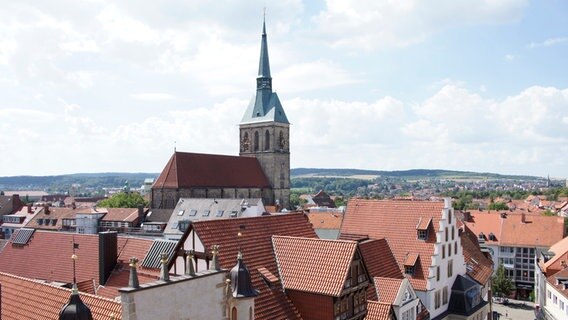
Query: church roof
point(265, 105)
point(186, 170)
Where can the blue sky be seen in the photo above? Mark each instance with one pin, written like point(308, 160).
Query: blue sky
point(99, 86)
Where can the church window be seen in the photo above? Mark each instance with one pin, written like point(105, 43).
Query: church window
point(256, 141)
point(266, 140)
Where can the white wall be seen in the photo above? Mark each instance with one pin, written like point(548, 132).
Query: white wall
point(556, 307)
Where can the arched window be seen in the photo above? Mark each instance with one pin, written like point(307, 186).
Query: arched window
point(256, 141)
point(234, 313)
point(266, 140)
point(250, 313)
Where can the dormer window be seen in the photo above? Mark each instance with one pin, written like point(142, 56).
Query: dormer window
point(422, 234)
point(422, 228)
point(410, 263)
point(481, 236)
point(40, 221)
point(409, 270)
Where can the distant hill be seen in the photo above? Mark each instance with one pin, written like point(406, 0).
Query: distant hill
point(64, 182)
point(408, 174)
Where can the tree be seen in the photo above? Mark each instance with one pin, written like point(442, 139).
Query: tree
point(123, 200)
point(498, 206)
point(500, 284)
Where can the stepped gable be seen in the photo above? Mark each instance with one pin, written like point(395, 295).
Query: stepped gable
point(313, 265)
point(256, 245)
point(187, 170)
point(479, 267)
point(396, 222)
point(51, 253)
point(380, 262)
point(24, 298)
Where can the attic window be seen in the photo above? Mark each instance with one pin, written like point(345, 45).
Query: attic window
point(481, 236)
point(180, 213)
point(53, 222)
point(206, 213)
point(192, 212)
point(409, 270)
point(234, 214)
point(219, 213)
point(422, 234)
point(492, 237)
point(40, 221)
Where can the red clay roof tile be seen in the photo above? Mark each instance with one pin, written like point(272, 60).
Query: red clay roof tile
point(28, 299)
point(313, 265)
point(479, 267)
point(186, 170)
point(378, 311)
point(387, 289)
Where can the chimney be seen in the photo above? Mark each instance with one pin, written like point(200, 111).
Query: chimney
point(30, 208)
point(107, 254)
point(16, 200)
point(467, 216)
point(45, 209)
point(133, 279)
point(215, 260)
point(73, 205)
point(523, 218)
point(140, 214)
point(164, 274)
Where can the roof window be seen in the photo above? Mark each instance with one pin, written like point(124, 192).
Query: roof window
point(234, 214)
point(193, 212)
point(180, 213)
point(206, 213)
point(219, 213)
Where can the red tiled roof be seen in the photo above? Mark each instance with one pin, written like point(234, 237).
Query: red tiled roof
point(537, 231)
point(562, 274)
point(53, 213)
point(313, 265)
point(186, 170)
point(379, 262)
point(423, 224)
point(256, 244)
point(28, 299)
point(325, 220)
point(387, 289)
point(378, 311)
point(47, 256)
point(479, 267)
point(411, 259)
point(560, 250)
point(120, 214)
point(396, 222)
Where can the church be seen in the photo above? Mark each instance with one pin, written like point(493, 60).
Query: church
point(262, 169)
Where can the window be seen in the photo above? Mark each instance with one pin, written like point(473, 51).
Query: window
point(256, 146)
point(409, 270)
point(449, 249)
point(437, 273)
point(447, 234)
point(549, 294)
point(192, 212)
point(453, 232)
point(449, 217)
point(408, 314)
point(180, 213)
point(206, 213)
point(53, 222)
point(234, 313)
point(219, 213)
point(450, 268)
point(443, 251)
point(422, 234)
point(40, 221)
point(437, 300)
point(266, 140)
point(445, 296)
point(554, 299)
point(561, 305)
point(456, 248)
point(234, 214)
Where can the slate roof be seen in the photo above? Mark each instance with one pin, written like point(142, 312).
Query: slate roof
point(478, 266)
point(24, 298)
point(380, 262)
point(313, 265)
point(256, 245)
point(187, 170)
point(396, 222)
point(387, 289)
point(158, 215)
point(378, 311)
point(47, 256)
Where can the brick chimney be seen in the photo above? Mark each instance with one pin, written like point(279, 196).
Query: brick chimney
point(107, 254)
point(523, 218)
point(30, 208)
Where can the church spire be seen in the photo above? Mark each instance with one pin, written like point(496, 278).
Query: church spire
point(264, 64)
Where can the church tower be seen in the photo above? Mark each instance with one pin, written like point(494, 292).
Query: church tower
point(265, 131)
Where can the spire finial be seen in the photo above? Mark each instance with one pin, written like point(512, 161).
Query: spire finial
point(74, 257)
point(175, 146)
point(264, 22)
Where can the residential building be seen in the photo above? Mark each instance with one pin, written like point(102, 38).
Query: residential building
point(188, 210)
point(513, 240)
point(551, 279)
point(423, 237)
point(18, 219)
point(262, 169)
point(326, 223)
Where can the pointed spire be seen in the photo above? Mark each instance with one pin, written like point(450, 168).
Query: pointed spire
point(75, 309)
point(264, 64)
point(241, 284)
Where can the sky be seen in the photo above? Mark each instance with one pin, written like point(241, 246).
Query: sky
point(115, 86)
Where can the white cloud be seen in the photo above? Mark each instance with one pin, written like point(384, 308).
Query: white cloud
point(381, 23)
point(152, 96)
point(509, 57)
point(549, 42)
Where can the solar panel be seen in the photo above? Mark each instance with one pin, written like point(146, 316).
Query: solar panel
point(23, 236)
point(152, 258)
